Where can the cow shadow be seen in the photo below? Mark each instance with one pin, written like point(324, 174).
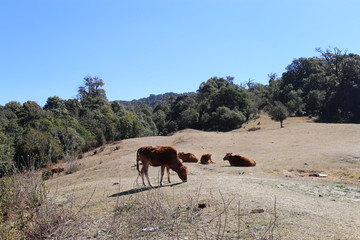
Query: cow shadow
point(141, 189)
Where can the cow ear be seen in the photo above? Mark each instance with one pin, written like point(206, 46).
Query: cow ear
point(184, 168)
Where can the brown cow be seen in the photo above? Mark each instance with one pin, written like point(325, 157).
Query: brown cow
point(237, 160)
point(56, 170)
point(206, 159)
point(165, 157)
point(188, 157)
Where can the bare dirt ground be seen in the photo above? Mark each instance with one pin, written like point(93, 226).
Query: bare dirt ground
point(306, 207)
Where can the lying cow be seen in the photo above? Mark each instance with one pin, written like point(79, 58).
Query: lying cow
point(165, 157)
point(237, 160)
point(206, 159)
point(188, 157)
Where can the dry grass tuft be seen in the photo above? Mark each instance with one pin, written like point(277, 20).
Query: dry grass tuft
point(72, 166)
point(26, 212)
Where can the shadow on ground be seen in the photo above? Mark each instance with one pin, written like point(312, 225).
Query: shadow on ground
point(141, 189)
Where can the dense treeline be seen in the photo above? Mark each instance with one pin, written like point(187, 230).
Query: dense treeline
point(327, 86)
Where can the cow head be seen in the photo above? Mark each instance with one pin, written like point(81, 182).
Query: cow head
point(227, 156)
point(183, 173)
point(180, 154)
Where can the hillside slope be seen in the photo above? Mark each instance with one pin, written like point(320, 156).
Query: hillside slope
point(307, 207)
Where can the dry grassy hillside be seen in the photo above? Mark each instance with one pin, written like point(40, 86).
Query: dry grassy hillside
point(306, 207)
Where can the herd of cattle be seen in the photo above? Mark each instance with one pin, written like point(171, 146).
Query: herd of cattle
point(168, 158)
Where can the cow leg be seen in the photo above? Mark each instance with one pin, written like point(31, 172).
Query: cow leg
point(142, 176)
point(168, 173)
point(162, 174)
point(144, 170)
point(147, 177)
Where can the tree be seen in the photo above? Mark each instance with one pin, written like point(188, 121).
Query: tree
point(350, 87)
point(230, 96)
point(73, 107)
point(295, 103)
point(170, 127)
point(188, 119)
point(225, 119)
point(56, 105)
point(128, 126)
point(342, 100)
point(345, 102)
point(333, 59)
point(31, 112)
point(37, 149)
point(159, 119)
point(213, 85)
point(315, 100)
point(118, 108)
point(91, 94)
point(70, 140)
point(14, 107)
point(279, 113)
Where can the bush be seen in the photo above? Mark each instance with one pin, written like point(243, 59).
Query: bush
point(26, 212)
point(72, 168)
point(225, 119)
point(20, 200)
point(278, 113)
point(6, 195)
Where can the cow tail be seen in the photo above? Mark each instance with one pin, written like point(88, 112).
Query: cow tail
point(137, 161)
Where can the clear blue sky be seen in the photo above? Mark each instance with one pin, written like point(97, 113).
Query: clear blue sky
point(143, 47)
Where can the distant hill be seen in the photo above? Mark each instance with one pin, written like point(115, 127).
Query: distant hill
point(153, 99)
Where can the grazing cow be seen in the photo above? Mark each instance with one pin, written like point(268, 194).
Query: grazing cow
point(56, 170)
point(206, 159)
point(165, 157)
point(187, 157)
point(237, 160)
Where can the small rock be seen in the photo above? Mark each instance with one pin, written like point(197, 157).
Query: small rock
point(149, 229)
point(202, 205)
point(258, 210)
point(318, 175)
point(322, 175)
